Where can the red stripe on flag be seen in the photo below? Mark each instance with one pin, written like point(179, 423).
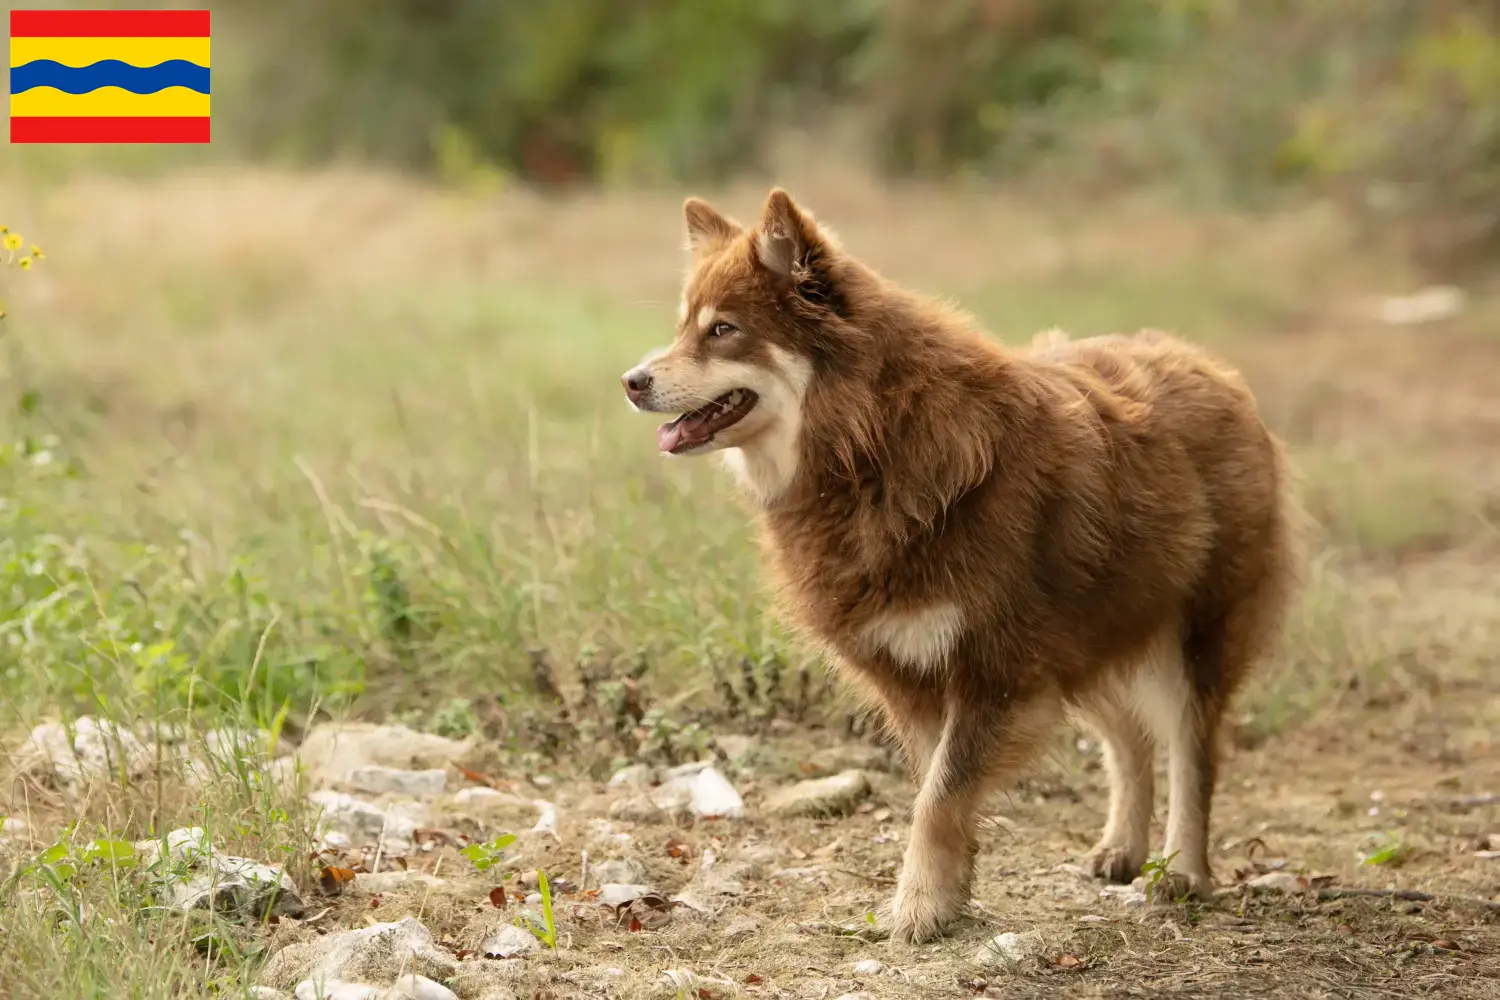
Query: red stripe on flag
point(109, 24)
point(154, 130)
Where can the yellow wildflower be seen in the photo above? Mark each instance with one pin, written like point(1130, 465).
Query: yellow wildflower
point(36, 252)
point(13, 241)
point(25, 263)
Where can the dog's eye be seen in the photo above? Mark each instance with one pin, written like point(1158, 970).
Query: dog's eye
point(722, 329)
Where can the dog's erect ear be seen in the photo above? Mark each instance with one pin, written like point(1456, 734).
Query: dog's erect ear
point(788, 238)
point(706, 227)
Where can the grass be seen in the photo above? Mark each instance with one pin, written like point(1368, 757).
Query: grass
point(368, 457)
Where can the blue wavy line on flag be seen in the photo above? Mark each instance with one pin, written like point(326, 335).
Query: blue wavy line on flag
point(109, 73)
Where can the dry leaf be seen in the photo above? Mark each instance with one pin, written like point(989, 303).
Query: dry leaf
point(752, 979)
point(497, 897)
point(1069, 961)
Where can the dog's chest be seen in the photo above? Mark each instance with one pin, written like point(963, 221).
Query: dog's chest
point(864, 601)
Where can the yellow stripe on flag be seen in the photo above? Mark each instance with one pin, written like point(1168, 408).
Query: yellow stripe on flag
point(108, 102)
point(86, 51)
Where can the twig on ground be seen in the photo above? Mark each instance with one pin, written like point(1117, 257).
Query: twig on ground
point(877, 879)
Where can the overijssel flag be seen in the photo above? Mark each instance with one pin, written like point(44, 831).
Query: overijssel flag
point(109, 76)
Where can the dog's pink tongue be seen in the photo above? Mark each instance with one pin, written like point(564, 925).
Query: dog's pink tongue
point(669, 436)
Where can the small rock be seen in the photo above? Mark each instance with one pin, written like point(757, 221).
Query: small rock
point(508, 942)
point(330, 752)
point(869, 967)
point(413, 987)
point(366, 823)
point(699, 788)
point(533, 899)
point(1277, 882)
point(377, 882)
point(625, 870)
point(335, 989)
point(377, 779)
point(634, 776)
point(1126, 895)
point(855, 996)
point(833, 796)
point(91, 749)
point(265, 993)
point(637, 809)
point(1008, 949)
point(1430, 305)
point(183, 844)
point(13, 828)
point(240, 887)
point(547, 821)
point(377, 953)
point(714, 797)
point(618, 894)
point(741, 928)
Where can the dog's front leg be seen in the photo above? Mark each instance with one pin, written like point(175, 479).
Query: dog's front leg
point(982, 740)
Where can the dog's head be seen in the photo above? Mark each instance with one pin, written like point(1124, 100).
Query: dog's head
point(755, 310)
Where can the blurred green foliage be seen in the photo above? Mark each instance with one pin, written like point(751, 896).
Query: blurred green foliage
point(1391, 104)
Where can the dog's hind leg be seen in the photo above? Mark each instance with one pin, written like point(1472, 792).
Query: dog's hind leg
point(1126, 840)
point(982, 740)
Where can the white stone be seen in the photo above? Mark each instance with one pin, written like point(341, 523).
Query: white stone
point(90, 750)
point(183, 844)
point(377, 953)
point(335, 989)
point(508, 942)
point(868, 967)
point(1008, 949)
point(713, 796)
point(414, 987)
point(330, 752)
point(831, 796)
point(239, 886)
point(378, 779)
point(365, 822)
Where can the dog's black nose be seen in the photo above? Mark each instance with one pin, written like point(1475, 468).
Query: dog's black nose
point(637, 381)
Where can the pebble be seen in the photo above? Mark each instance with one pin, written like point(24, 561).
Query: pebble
point(508, 942)
point(414, 987)
point(91, 749)
point(1008, 949)
point(833, 796)
point(378, 952)
point(376, 779)
point(335, 989)
point(869, 967)
point(238, 886)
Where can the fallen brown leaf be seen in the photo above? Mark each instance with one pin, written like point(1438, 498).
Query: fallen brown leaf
point(497, 897)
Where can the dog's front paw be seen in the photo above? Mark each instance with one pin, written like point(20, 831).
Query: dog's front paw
point(1175, 885)
point(1114, 863)
point(920, 913)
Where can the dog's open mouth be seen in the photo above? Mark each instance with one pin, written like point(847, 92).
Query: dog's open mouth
point(697, 428)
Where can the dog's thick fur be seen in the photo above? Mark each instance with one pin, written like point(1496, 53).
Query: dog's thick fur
point(984, 539)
